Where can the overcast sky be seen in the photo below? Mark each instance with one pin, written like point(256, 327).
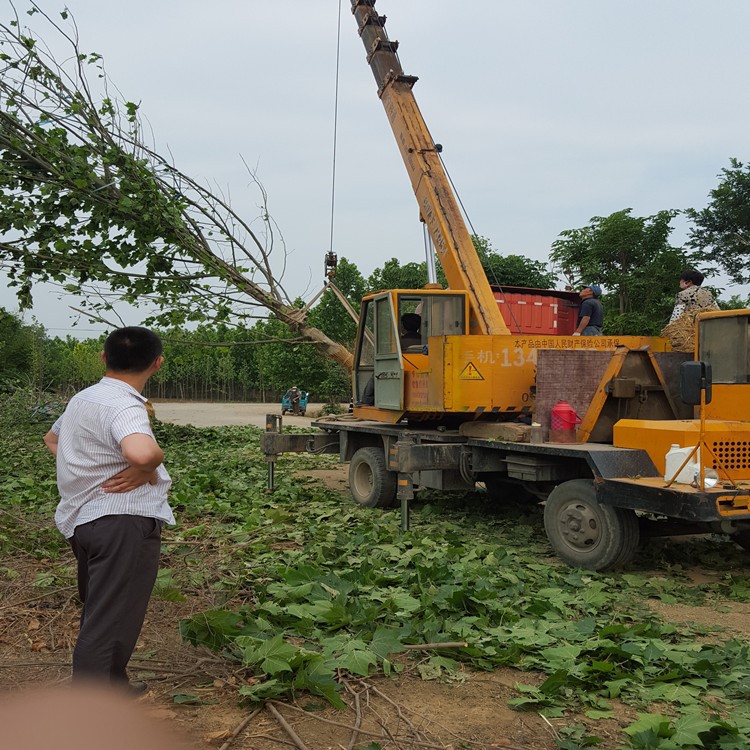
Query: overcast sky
point(549, 112)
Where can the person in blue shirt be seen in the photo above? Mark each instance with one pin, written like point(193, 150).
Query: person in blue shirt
point(591, 312)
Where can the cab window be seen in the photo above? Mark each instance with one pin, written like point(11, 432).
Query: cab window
point(724, 343)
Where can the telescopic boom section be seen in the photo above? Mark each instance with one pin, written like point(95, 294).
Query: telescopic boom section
point(437, 205)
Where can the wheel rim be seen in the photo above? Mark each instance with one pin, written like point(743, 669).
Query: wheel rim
point(580, 526)
point(363, 480)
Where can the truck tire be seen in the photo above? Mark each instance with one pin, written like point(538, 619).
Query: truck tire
point(585, 533)
point(743, 539)
point(370, 483)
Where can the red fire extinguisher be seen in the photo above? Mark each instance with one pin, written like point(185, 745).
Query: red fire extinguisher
point(563, 421)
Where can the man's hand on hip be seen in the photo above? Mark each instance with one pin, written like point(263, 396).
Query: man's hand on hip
point(129, 479)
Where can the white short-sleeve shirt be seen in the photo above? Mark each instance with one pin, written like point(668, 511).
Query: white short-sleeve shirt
point(88, 453)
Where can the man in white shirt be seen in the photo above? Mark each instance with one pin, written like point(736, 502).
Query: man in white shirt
point(113, 502)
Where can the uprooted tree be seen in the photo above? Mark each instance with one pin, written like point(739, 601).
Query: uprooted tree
point(86, 203)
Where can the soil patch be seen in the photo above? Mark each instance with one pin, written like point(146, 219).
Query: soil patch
point(219, 415)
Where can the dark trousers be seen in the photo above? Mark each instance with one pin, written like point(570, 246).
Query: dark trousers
point(118, 558)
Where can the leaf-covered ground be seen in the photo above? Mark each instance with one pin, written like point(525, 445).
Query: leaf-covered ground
point(300, 596)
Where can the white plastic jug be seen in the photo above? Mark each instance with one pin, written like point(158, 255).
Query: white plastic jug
point(674, 459)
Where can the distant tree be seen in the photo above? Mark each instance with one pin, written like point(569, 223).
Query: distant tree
point(396, 275)
point(721, 231)
point(631, 257)
point(735, 302)
point(512, 270)
point(505, 270)
point(15, 353)
point(299, 363)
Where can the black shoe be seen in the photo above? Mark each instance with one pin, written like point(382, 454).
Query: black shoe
point(137, 688)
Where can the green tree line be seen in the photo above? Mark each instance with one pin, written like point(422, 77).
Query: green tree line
point(630, 256)
point(227, 363)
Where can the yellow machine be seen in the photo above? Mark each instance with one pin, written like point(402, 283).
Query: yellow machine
point(450, 376)
point(445, 393)
point(723, 343)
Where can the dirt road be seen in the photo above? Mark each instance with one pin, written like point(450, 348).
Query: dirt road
point(218, 415)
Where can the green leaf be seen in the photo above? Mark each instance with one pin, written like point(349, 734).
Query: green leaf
point(659, 724)
point(187, 699)
point(272, 655)
point(386, 640)
point(596, 714)
point(555, 682)
point(356, 658)
point(263, 691)
point(689, 728)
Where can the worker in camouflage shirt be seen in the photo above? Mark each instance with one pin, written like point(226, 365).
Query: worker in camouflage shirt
point(691, 296)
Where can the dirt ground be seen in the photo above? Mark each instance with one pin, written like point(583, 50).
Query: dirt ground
point(193, 692)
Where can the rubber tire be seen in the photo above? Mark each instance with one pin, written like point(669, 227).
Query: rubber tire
point(283, 412)
point(585, 533)
point(742, 538)
point(370, 483)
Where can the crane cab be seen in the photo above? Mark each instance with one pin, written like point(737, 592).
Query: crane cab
point(391, 361)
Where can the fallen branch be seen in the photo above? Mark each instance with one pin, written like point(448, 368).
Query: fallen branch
point(239, 728)
point(387, 699)
point(552, 728)
point(16, 605)
point(360, 731)
point(397, 706)
point(357, 723)
point(294, 736)
point(278, 740)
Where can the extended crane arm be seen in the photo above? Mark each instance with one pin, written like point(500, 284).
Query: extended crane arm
point(437, 204)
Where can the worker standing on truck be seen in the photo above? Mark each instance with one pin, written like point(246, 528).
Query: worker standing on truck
point(591, 312)
point(691, 296)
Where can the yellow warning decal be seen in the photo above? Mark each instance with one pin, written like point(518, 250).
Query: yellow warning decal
point(470, 372)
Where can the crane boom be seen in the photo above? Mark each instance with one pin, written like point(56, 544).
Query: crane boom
point(438, 206)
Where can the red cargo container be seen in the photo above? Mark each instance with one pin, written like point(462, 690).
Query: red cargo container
point(538, 311)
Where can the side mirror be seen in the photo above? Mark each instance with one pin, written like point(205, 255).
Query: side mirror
point(694, 378)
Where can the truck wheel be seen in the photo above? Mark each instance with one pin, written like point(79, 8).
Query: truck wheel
point(370, 483)
point(743, 539)
point(586, 534)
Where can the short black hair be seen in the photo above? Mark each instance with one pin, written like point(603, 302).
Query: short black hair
point(411, 322)
point(693, 276)
point(131, 349)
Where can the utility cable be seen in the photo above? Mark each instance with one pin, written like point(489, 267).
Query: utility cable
point(335, 124)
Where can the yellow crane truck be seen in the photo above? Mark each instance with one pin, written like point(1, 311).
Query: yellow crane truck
point(450, 405)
